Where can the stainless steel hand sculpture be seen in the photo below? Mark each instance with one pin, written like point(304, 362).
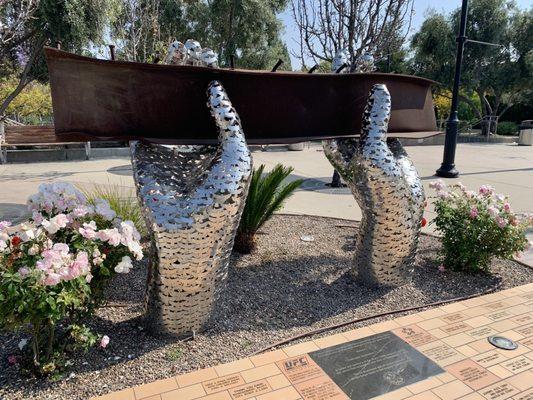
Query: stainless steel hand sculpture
point(192, 198)
point(386, 186)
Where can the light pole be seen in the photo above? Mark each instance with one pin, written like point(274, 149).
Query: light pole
point(447, 168)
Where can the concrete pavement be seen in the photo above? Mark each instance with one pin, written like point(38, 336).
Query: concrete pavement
point(507, 167)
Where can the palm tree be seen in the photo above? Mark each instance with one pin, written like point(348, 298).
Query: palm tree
point(265, 196)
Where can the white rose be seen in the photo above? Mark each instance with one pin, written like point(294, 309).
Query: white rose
point(33, 250)
point(124, 266)
point(3, 245)
point(50, 226)
point(27, 235)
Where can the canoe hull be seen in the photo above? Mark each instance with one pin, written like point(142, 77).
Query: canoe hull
point(115, 100)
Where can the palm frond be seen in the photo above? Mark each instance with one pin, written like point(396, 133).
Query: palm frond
point(266, 195)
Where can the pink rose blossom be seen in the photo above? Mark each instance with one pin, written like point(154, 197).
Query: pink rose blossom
point(104, 341)
point(486, 190)
point(501, 222)
point(61, 248)
point(437, 185)
point(52, 279)
point(23, 271)
point(507, 207)
point(80, 266)
point(443, 194)
point(112, 236)
point(473, 212)
point(89, 230)
point(493, 211)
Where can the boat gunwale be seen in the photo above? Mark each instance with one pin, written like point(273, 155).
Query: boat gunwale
point(52, 52)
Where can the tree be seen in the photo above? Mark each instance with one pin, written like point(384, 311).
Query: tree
point(500, 76)
point(248, 30)
point(326, 26)
point(27, 25)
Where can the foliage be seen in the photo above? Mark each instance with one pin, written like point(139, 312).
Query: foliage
point(121, 199)
point(265, 196)
point(247, 29)
point(32, 105)
point(442, 100)
point(53, 270)
point(507, 128)
point(476, 226)
point(499, 76)
point(76, 24)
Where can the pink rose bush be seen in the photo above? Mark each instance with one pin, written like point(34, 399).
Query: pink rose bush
point(54, 267)
point(477, 226)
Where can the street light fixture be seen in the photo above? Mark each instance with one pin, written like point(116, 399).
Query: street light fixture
point(447, 168)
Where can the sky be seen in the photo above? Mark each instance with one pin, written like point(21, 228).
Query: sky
point(421, 7)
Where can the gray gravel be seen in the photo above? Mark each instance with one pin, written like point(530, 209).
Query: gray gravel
point(287, 287)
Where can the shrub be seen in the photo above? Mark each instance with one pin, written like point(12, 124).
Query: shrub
point(507, 128)
point(53, 269)
point(265, 196)
point(476, 226)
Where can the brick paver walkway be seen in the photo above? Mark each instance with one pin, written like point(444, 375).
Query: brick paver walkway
point(454, 336)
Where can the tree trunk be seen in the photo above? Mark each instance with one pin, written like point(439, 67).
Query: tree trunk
point(244, 242)
point(25, 77)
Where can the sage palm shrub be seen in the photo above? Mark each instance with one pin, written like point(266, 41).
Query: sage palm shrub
point(476, 226)
point(53, 269)
point(265, 196)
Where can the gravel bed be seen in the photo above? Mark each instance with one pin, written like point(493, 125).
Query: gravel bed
point(288, 286)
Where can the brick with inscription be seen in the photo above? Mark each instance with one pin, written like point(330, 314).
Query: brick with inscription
point(414, 335)
point(496, 316)
point(522, 319)
point(483, 332)
point(455, 317)
point(489, 358)
point(496, 306)
point(322, 388)
point(499, 391)
point(456, 328)
point(250, 390)
point(300, 368)
point(526, 330)
point(223, 383)
point(473, 374)
point(441, 353)
point(518, 364)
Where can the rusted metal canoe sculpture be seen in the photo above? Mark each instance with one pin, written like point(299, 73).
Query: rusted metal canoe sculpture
point(117, 100)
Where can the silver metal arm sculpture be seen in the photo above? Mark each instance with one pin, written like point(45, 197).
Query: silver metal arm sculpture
point(192, 198)
point(388, 190)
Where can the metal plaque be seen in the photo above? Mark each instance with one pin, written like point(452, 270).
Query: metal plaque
point(374, 365)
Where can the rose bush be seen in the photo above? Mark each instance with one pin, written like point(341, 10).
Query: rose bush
point(476, 226)
point(54, 267)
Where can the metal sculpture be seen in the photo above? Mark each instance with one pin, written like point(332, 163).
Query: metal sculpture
point(192, 198)
point(388, 190)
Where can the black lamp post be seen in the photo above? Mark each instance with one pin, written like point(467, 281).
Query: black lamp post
point(447, 168)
